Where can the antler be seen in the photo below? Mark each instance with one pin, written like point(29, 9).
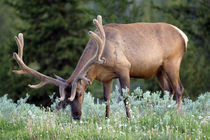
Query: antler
point(100, 41)
point(26, 70)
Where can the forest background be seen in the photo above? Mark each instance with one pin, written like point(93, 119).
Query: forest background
point(56, 32)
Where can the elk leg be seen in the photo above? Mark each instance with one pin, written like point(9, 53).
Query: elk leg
point(172, 70)
point(180, 91)
point(164, 82)
point(107, 91)
point(125, 83)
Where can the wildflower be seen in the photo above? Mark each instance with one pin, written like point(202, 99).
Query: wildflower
point(122, 133)
point(100, 128)
point(200, 117)
point(107, 119)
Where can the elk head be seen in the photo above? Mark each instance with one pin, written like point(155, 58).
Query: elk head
point(81, 82)
point(72, 93)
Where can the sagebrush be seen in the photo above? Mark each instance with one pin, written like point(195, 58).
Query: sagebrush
point(152, 118)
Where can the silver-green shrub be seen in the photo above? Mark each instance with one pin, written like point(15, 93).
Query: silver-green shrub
point(152, 117)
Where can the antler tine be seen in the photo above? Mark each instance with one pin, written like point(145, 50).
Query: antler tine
point(102, 37)
point(99, 18)
point(41, 84)
point(26, 70)
point(20, 35)
point(100, 41)
point(100, 27)
point(19, 41)
point(20, 52)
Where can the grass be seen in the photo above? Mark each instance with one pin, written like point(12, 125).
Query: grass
point(152, 118)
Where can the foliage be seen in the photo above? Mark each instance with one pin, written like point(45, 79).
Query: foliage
point(152, 118)
point(55, 35)
point(8, 20)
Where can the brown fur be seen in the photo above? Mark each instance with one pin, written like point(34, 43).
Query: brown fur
point(140, 50)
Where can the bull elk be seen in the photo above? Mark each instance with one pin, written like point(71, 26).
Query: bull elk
point(139, 50)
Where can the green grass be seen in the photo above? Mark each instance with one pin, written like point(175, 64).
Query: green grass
point(152, 118)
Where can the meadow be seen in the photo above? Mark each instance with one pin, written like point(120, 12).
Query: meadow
point(153, 117)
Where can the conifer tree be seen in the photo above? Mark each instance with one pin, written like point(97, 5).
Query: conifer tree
point(55, 33)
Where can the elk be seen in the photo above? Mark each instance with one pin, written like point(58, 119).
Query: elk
point(138, 50)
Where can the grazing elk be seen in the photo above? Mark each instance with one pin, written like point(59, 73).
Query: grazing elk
point(139, 50)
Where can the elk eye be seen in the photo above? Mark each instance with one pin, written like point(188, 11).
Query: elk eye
point(80, 94)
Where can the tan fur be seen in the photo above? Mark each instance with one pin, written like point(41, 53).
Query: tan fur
point(183, 35)
point(139, 50)
point(140, 47)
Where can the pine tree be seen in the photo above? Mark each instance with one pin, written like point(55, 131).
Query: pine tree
point(55, 33)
